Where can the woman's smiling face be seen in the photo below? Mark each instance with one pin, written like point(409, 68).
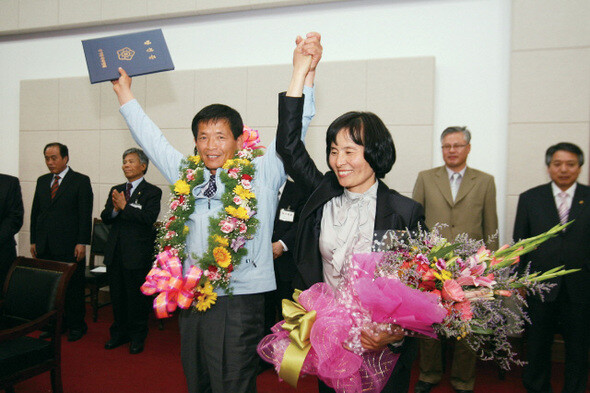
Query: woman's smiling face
point(347, 160)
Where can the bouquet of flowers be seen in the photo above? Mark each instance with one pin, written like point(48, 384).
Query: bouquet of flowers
point(424, 284)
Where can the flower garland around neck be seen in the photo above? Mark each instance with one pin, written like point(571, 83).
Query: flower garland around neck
point(228, 232)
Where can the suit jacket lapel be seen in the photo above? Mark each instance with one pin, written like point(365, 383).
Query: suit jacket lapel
point(467, 183)
point(442, 182)
point(385, 212)
point(578, 203)
point(328, 189)
point(137, 191)
point(549, 201)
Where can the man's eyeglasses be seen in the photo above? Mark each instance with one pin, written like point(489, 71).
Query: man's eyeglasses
point(455, 147)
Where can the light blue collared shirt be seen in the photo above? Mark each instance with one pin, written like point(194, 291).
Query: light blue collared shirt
point(256, 272)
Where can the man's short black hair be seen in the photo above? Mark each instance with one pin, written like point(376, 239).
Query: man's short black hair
point(365, 129)
point(63, 149)
point(216, 112)
point(567, 147)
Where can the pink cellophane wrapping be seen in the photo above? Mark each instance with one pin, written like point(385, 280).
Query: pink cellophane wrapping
point(359, 300)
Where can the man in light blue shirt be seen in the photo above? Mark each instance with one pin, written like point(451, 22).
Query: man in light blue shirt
point(218, 347)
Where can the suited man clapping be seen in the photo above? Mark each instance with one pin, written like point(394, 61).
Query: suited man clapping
point(132, 208)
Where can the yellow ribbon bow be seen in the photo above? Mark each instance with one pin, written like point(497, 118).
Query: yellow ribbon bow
point(298, 321)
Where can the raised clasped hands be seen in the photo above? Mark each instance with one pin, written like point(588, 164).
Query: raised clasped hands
point(119, 201)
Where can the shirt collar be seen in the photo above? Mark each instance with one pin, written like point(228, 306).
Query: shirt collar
point(135, 183)
point(570, 191)
point(370, 193)
point(62, 174)
point(450, 172)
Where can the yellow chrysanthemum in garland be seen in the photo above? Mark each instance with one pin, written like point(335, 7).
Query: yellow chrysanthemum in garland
point(222, 256)
point(221, 240)
point(205, 288)
point(240, 212)
point(195, 159)
point(228, 163)
point(242, 161)
point(181, 187)
point(205, 301)
point(185, 230)
point(243, 193)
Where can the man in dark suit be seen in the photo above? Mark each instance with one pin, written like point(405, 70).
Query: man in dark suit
point(566, 307)
point(132, 208)
point(283, 242)
point(11, 220)
point(61, 224)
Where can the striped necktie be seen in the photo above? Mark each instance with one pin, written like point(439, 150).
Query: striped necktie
point(563, 208)
point(55, 186)
point(128, 192)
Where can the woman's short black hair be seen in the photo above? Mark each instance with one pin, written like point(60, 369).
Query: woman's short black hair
point(216, 112)
point(365, 129)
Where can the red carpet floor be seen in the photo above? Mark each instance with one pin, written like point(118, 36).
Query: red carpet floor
point(89, 368)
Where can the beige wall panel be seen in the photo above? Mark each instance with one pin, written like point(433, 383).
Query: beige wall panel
point(511, 205)
point(112, 144)
point(218, 6)
point(169, 8)
point(550, 86)
point(264, 85)
point(31, 160)
point(164, 210)
point(527, 144)
point(227, 86)
point(170, 101)
point(8, 14)
point(127, 10)
point(550, 24)
point(28, 191)
point(413, 155)
point(100, 197)
point(39, 104)
point(37, 13)
point(77, 12)
point(401, 91)
point(24, 244)
point(79, 104)
point(110, 118)
point(267, 135)
point(97, 203)
point(342, 87)
point(83, 147)
point(315, 141)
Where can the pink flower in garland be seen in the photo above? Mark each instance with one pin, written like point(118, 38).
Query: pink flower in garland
point(175, 203)
point(243, 227)
point(227, 226)
point(170, 220)
point(237, 200)
point(246, 184)
point(170, 235)
point(190, 174)
point(233, 173)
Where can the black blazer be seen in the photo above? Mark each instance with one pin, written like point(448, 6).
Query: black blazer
point(11, 220)
point(133, 228)
point(394, 211)
point(537, 213)
point(60, 223)
point(292, 199)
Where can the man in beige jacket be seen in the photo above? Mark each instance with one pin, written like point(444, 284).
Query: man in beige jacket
point(465, 200)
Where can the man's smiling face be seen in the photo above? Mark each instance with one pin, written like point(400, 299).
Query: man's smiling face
point(215, 143)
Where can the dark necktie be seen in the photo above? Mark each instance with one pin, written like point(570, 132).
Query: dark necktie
point(128, 192)
point(211, 187)
point(55, 186)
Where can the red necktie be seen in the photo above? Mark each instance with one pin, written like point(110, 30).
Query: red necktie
point(55, 186)
point(128, 192)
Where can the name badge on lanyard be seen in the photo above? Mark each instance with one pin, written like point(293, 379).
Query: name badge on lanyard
point(286, 215)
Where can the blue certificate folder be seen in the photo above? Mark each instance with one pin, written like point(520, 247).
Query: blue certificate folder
point(138, 53)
